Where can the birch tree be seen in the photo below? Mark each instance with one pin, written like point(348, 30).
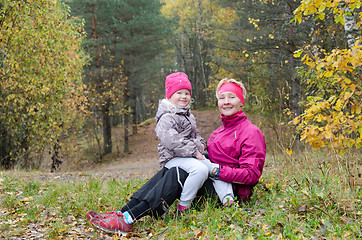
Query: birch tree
point(41, 92)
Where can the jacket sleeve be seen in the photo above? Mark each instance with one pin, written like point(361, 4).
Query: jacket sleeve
point(172, 140)
point(200, 142)
point(251, 161)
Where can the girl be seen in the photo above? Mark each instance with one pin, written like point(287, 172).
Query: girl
point(180, 141)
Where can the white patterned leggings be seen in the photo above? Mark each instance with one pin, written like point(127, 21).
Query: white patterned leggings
point(198, 173)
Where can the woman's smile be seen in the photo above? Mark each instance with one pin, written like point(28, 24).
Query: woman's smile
point(229, 104)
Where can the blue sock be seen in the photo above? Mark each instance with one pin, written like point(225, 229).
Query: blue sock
point(128, 218)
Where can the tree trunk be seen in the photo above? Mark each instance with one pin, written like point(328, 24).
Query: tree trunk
point(126, 113)
point(295, 81)
point(349, 24)
point(107, 128)
point(56, 158)
point(106, 121)
point(203, 68)
point(5, 146)
point(134, 112)
point(94, 28)
point(141, 108)
point(106, 118)
point(135, 121)
point(126, 133)
point(274, 83)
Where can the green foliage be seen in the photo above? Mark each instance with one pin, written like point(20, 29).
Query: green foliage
point(253, 42)
point(41, 92)
point(124, 38)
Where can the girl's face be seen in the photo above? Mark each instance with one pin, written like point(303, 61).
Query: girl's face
point(229, 104)
point(181, 98)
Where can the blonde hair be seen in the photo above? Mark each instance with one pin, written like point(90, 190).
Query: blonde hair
point(225, 80)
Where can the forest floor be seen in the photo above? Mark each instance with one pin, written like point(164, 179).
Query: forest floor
point(141, 161)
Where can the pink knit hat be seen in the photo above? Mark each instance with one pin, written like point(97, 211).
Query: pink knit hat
point(175, 82)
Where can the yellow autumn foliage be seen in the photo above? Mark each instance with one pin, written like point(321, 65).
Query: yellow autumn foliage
point(41, 90)
point(333, 121)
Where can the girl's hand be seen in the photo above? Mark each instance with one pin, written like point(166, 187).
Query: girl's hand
point(199, 156)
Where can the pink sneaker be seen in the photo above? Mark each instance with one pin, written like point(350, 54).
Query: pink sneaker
point(112, 223)
point(92, 214)
point(229, 203)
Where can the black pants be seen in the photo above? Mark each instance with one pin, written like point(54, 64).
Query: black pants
point(158, 193)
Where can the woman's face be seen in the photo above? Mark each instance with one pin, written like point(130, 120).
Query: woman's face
point(229, 104)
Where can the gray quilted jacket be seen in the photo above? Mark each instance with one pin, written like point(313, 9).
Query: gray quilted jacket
point(177, 131)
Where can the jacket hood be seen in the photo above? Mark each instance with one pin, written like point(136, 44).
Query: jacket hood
point(165, 106)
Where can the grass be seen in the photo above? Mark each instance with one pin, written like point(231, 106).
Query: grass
point(300, 197)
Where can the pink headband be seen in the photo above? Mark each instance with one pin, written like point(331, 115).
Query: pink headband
point(234, 88)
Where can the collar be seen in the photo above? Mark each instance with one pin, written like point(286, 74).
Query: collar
point(234, 120)
point(223, 117)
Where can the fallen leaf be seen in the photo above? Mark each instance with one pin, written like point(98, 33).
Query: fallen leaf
point(302, 208)
point(197, 233)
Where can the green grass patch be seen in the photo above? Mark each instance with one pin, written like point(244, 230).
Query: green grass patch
point(304, 197)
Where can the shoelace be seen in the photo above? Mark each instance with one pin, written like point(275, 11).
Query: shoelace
point(112, 217)
point(108, 214)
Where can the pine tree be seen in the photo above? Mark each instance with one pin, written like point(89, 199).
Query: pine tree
point(125, 37)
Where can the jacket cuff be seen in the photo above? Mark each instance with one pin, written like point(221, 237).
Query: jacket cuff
point(219, 171)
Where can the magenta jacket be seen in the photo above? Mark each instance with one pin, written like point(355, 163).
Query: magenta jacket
point(239, 148)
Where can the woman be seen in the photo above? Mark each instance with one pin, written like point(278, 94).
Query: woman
point(237, 149)
point(237, 153)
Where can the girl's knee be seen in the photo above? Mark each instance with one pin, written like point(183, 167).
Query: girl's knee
point(200, 169)
point(203, 171)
